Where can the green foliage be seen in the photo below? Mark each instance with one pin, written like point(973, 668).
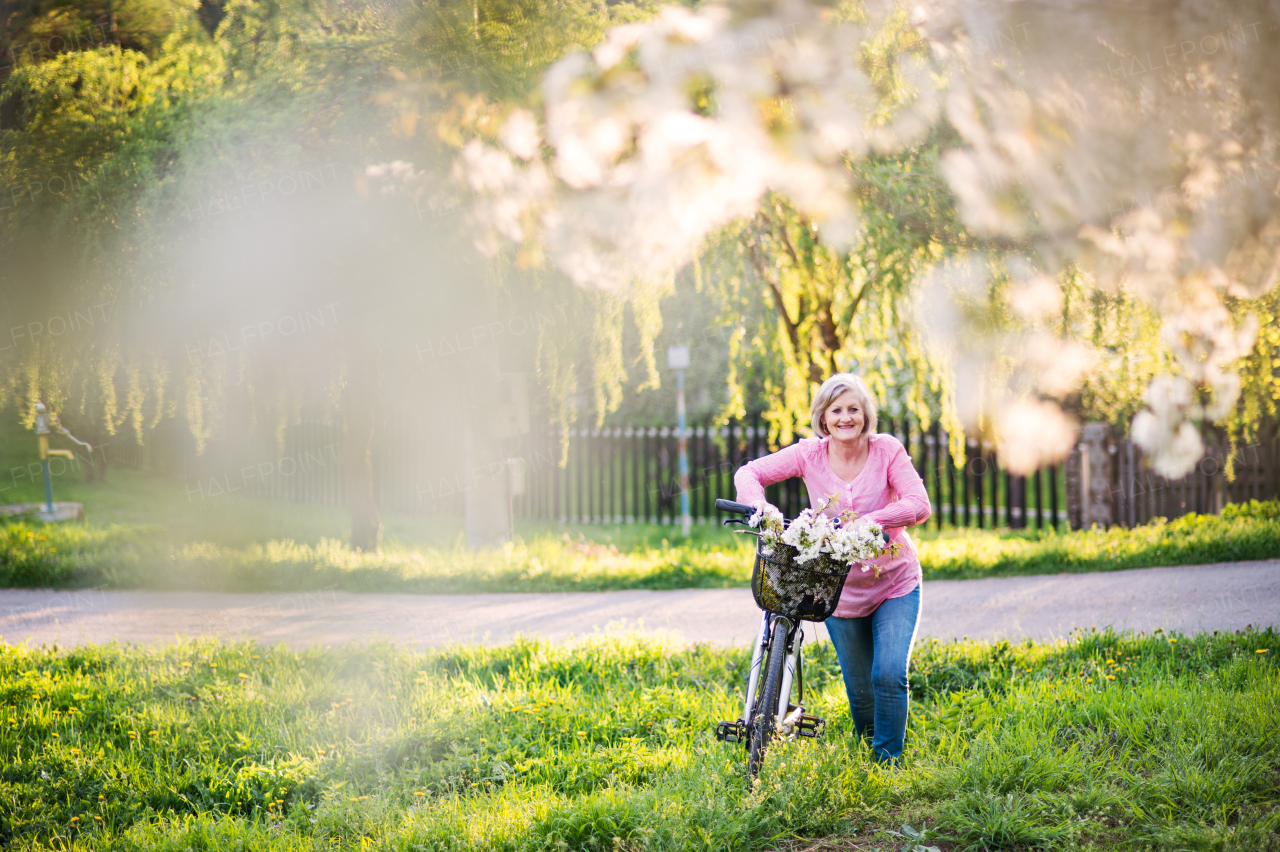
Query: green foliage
point(281, 89)
point(38, 30)
point(1259, 510)
point(1257, 416)
point(800, 310)
point(1104, 741)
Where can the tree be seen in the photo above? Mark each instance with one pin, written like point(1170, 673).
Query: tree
point(222, 183)
point(671, 130)
point(833, 310)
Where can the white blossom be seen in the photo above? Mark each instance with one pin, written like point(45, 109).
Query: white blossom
point(519, 134)
point(1033, 433)
point(1163, 183)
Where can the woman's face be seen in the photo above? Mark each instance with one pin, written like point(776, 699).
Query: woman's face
point(844, 418)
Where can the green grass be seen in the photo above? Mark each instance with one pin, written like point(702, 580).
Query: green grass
point(147, 532)
point(1103, 742)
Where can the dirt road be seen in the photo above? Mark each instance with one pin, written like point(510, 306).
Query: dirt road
point(1189, 599)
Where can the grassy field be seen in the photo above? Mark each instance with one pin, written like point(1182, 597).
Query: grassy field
point(1105, 742)
point(145, 532)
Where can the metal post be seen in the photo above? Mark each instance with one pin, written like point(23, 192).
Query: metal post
point(678, 360)
point(684, 455)
point(48, 487)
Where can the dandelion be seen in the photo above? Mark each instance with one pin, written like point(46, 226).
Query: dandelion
point(1111, 677)
point(56, 735)
point(75, 751)
point(419, 793)
point(1261, 651)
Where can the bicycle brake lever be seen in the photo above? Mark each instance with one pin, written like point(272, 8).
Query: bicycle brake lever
point(729, 521)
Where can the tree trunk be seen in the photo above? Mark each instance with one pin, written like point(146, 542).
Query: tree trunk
point(359, 404)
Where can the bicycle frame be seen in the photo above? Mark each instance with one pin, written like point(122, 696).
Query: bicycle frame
point(795, 723)
point(757, 658)
point(754, 729)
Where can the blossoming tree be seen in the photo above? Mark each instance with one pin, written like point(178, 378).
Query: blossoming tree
point(1081, 163)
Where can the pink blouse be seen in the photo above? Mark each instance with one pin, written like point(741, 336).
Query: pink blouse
point(888, 491)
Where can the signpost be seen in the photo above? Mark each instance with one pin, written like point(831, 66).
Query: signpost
point(678, 360)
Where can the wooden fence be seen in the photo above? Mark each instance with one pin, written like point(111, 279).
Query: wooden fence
point(1138, 495)
point(630, 475)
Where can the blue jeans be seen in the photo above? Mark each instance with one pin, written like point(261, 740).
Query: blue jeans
point(874, 652)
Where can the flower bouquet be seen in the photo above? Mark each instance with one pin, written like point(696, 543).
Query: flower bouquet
point(801, 566)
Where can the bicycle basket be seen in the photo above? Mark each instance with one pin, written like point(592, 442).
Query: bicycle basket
point(807, 591)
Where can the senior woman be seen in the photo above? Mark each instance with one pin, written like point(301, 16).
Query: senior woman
point(874, 625)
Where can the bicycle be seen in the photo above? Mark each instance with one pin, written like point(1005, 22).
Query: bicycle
point(788, 593)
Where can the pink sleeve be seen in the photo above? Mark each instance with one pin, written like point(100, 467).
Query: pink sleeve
point(752, 477)
point(912, 505)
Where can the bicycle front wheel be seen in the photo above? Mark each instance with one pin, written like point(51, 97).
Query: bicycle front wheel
point(764, 715)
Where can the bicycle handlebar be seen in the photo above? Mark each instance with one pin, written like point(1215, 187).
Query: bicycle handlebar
point(744, 509)
point(738, 508)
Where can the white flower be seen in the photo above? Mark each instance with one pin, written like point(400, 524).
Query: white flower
point(487, 168)
point(1037, 298)
point(1033, 433)
point(765, 514)
point(519, 134)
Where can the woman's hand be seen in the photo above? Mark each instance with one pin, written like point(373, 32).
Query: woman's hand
point(765, 516)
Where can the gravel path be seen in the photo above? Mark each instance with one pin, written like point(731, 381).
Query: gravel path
point(1188, 599)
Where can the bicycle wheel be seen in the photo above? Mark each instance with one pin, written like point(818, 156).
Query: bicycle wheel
point(764, 715)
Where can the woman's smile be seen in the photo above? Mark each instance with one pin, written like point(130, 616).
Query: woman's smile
point(844, 417)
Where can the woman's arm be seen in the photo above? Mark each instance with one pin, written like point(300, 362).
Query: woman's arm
point(752, 477)
point(912, 505)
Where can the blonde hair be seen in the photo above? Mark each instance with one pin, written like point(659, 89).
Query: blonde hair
point(832, 388)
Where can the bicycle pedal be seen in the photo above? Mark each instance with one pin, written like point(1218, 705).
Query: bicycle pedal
point(732, 732)
point(810, 726)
